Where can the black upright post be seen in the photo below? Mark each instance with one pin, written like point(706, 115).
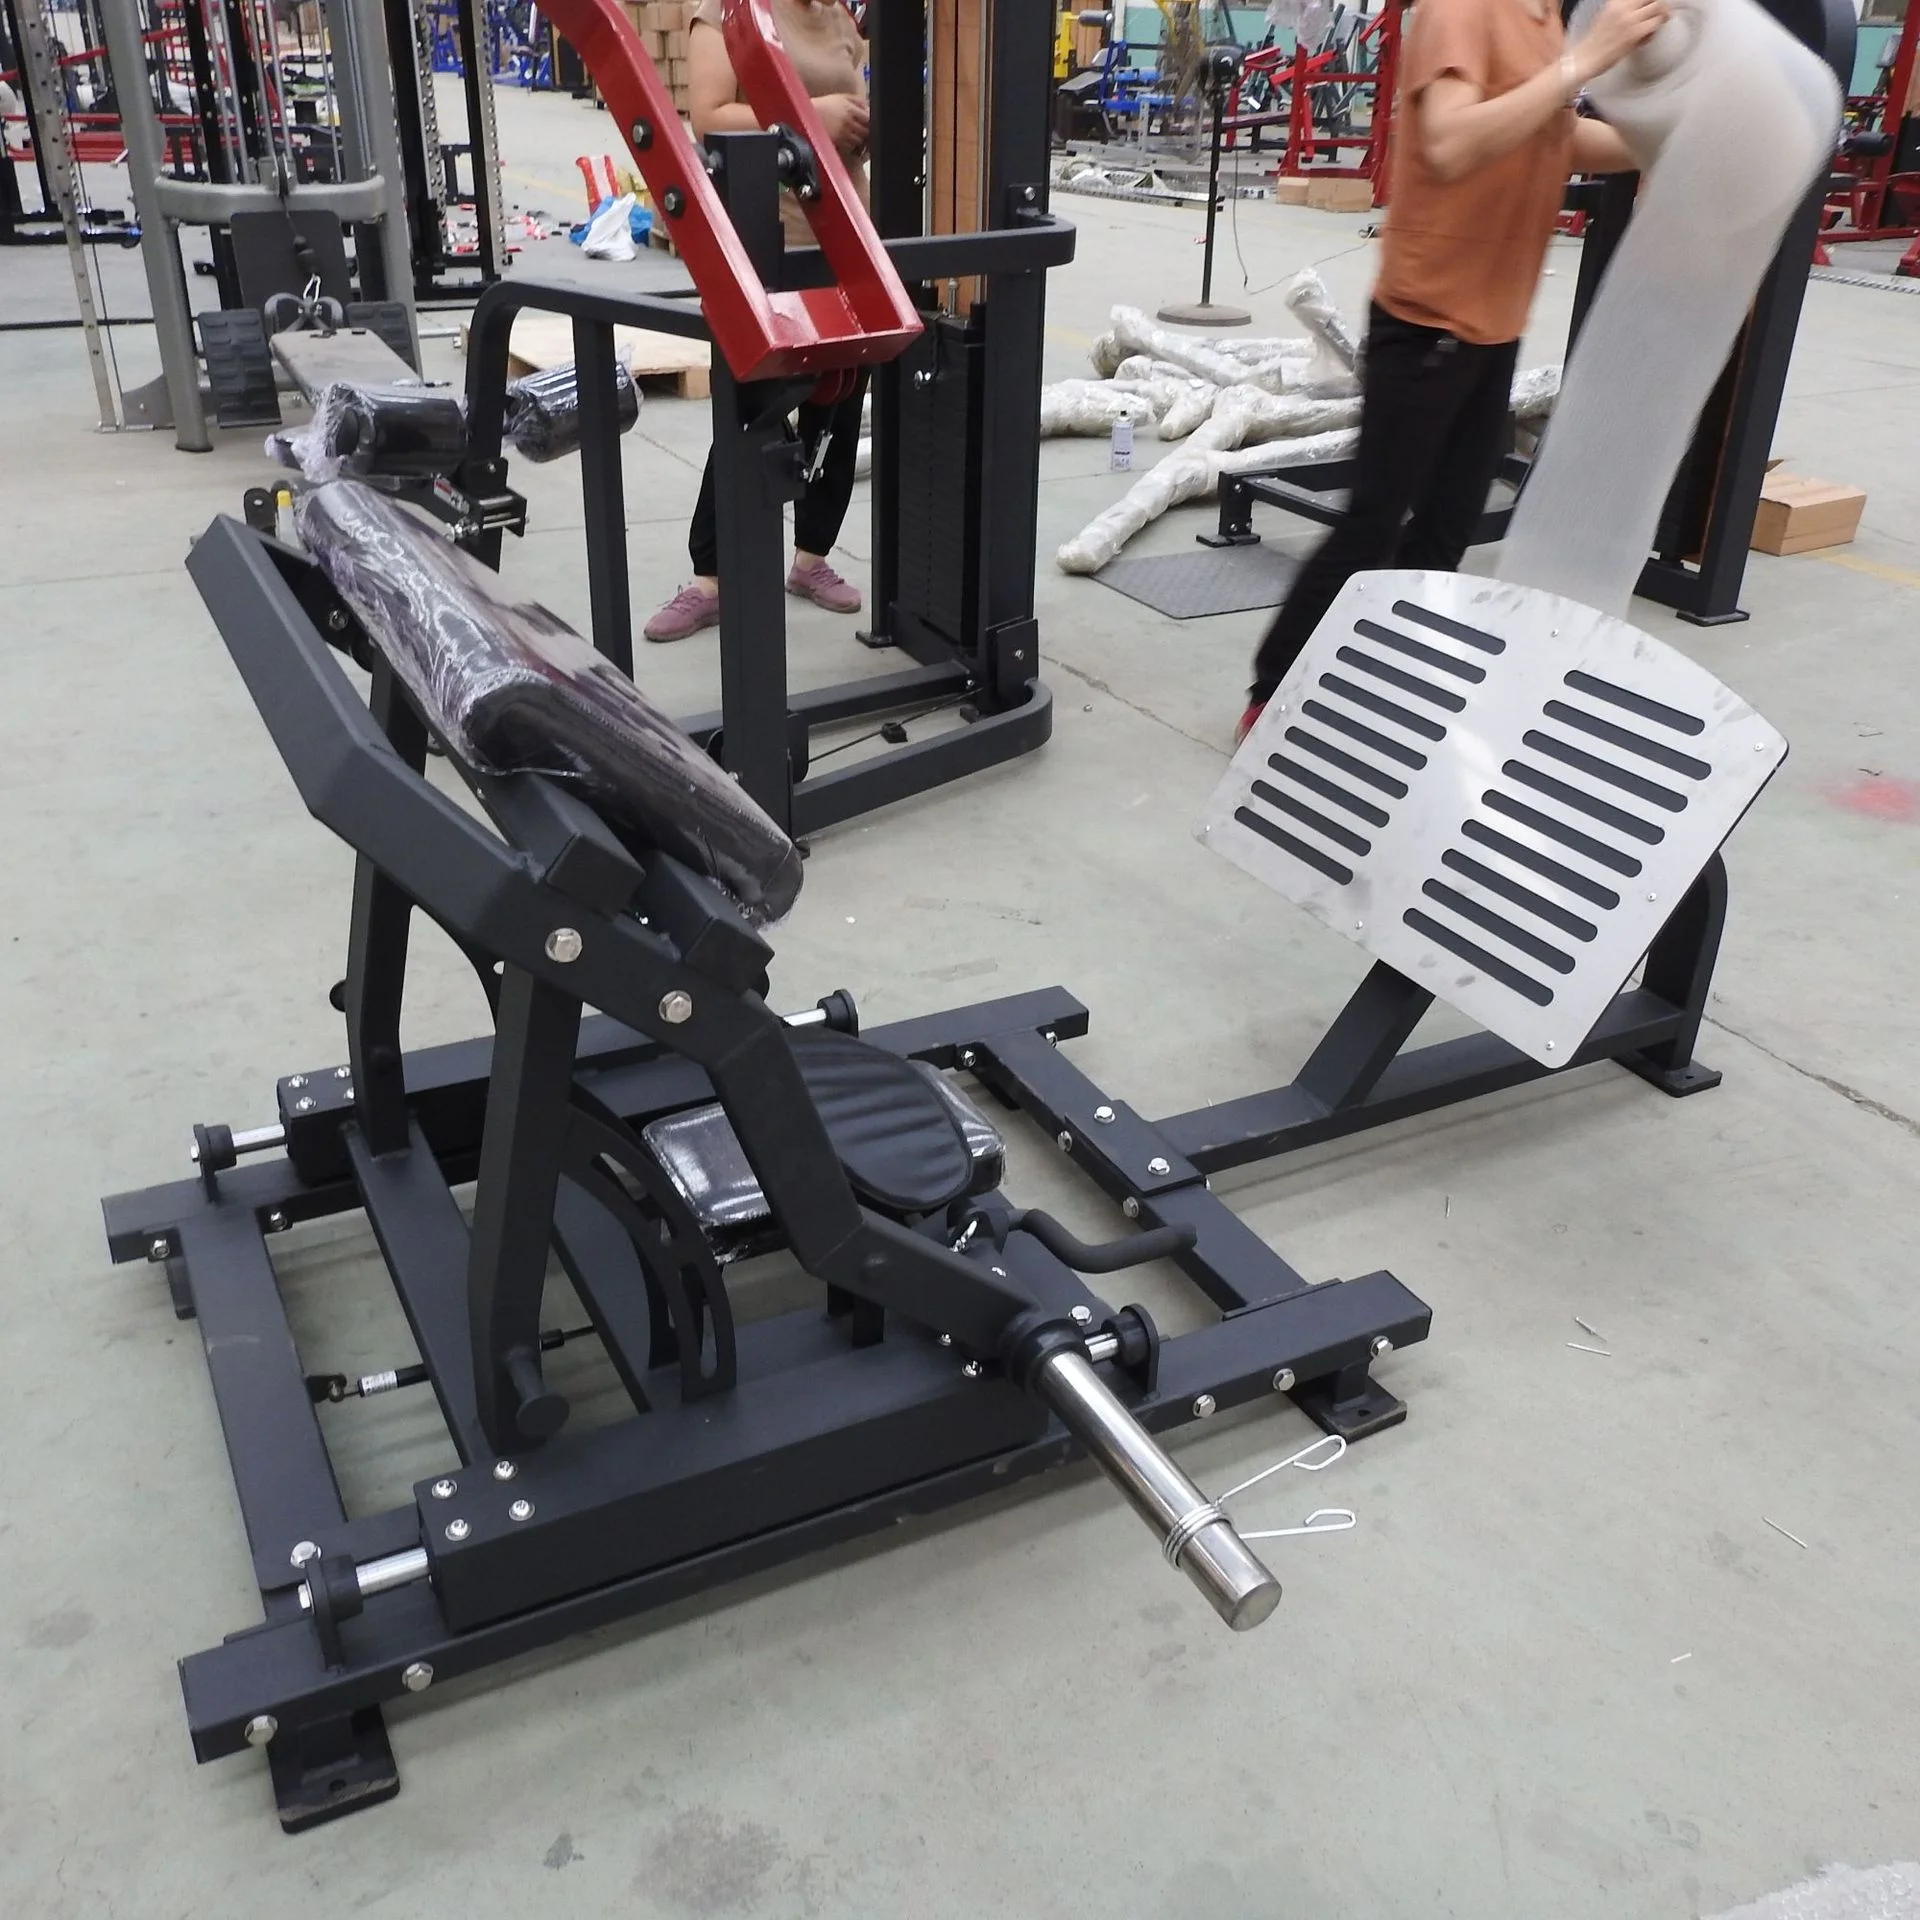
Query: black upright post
point(423, 215)
point(756, 471)
point(521, 1153)
point(603, 492)
point(896, 83)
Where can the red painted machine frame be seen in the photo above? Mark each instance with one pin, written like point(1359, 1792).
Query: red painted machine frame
point(1300, 72)
point(1875, 202)
point(864, 318)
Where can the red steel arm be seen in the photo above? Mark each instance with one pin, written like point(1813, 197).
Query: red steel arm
point(864, 318)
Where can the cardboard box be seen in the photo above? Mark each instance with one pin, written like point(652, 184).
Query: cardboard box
point(1797, 514)
point(1340, 196)
point(1289, 190)
point(669, 16)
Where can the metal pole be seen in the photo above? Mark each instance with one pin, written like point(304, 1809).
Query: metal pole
point(159, 240)
point(1193, 1533)
point(370, 138)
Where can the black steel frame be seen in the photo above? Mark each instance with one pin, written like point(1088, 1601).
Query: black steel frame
point(841, 1424)
point(1302, 489)
point(974, 643)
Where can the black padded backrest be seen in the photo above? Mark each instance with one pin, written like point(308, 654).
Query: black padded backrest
point(510, 688)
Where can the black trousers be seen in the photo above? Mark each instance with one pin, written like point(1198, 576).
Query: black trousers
point(821, 510)
point(1433, 421)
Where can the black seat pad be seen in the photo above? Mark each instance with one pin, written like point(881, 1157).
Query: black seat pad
point(899, 1142)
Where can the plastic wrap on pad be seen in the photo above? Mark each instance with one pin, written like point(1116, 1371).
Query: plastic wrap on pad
point(512, 689)
point(543, 410)
point(377, 432)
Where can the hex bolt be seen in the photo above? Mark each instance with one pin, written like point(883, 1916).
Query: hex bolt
point(673, 203)
point(445, 1489)
point(968, 1057)
point(676, 1008)
point(158, 1248)
point(520, 1510)
point(1064, 1141)
point(1204, 1406)
point(1104, 1115)
point(923, 378)
point(504, 1469)
point(297, 1081)
point(1053, 1039)
point(1130, 1207)
point(417, 1677)
point(564, 944)
point(304, 1104)
point(343, 1073)
point(946, 1339)
point(337, 620)
point(641, 134)
point(1081, 1316)
point(972, 1369)
point(1283, 1380)
point(457, 1529)
point(260, 1729)
point(1159, 1167)
point(276, 1221)
point(303, 1552)
point(1381, 1346)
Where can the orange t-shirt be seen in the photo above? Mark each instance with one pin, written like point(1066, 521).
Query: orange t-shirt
point(1465, 255)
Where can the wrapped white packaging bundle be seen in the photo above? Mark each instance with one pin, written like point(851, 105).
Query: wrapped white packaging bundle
point(1336, 357)
point(1133, 333)
point(1733, 120)
point(1091, 407)
point(1182, 475)
point(1247, 413)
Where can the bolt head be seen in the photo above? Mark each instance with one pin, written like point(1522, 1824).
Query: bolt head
point(1130, 1207)
point(417, 1677)
point(303, 1552)
point(946, 1339)
point(457, 1529)
point(343, 1073)
point(1064, 1141)
point(1081, 1316)
point(260, 1729)
point(1204, 1406)
point(520, 1510)
point(304, 1104)
point(564, 944)
point(1053, 1039)
point(158, 1247)
point(504, 1469)
point(676, 1008)
point(445, 1489)
point(1104, 1115)
point(296, 1081)
point(1283, 1380)
point(1157, 1166)
point(968, 1057)
point(972, 1369)
point(1381, 1345)
point(276, 1221)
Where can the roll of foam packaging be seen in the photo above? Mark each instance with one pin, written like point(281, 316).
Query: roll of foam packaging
point(1732, 120)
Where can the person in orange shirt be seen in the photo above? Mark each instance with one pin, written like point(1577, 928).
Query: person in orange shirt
point(1485, 137)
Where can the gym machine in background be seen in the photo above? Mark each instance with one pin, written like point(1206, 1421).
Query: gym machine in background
point(947, 311)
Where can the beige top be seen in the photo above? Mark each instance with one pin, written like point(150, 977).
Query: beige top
point(830, 57)
point(1465, 255)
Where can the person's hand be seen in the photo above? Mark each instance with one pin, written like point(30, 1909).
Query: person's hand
point(1619, 27)
point(844, 115)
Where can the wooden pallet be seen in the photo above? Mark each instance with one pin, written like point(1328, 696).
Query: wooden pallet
point(659, 362)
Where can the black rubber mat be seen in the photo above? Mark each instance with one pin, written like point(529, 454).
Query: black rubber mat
point(1189, 586)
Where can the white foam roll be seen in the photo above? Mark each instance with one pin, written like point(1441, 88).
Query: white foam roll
point(1732, 120)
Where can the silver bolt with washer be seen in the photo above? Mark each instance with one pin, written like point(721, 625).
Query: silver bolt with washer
point(260, 1729)
point(972, 1369)
point(343, 1073)
point(276, 1221)
point(457, 1529)
point(1204, 1406)
point(1381, 1345)
point(158, 1248)
point(302, 1553)
point(564, 944)
point(1130, 1207)
point(297, 1081)
point(1064, 1141)
point(676, 1008)
point(304, 1104)
point(416, 1678)
point(1081, 1316)
point(1283, 1380)
point(1104, 1115)
point(445, 1489)
point(504, 1469)
point(1159, 1167)
point(520, 1510)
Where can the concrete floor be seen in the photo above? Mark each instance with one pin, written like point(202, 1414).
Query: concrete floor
point(1563, 1667)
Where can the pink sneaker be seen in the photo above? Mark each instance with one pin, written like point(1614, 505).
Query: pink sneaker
point(692, 608)
point(818, 582)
